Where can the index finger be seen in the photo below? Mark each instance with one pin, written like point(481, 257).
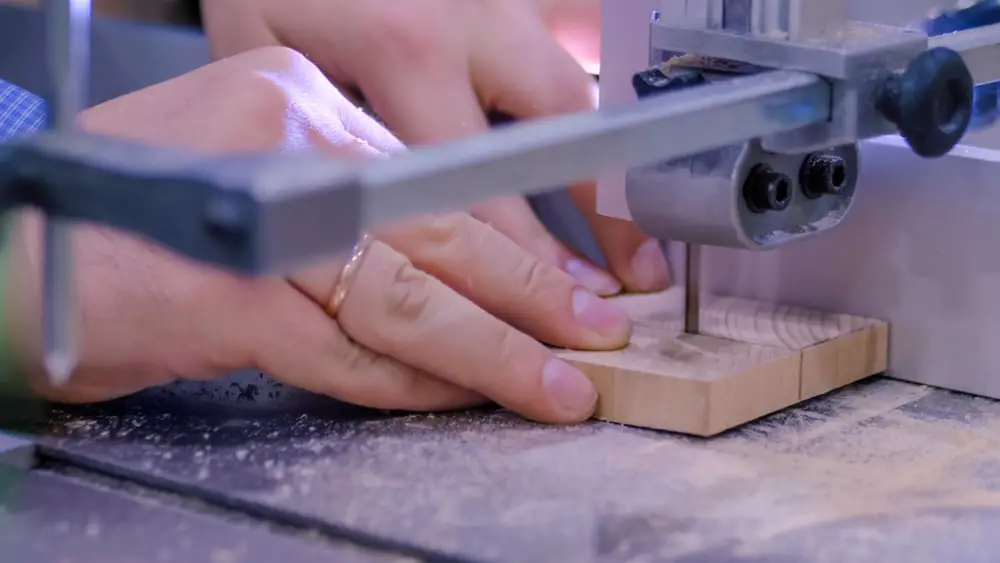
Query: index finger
point(551, 82)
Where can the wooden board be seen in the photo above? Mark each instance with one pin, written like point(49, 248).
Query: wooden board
point(751, 359)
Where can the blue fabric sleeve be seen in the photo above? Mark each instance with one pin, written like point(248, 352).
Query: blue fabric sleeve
point(21, 112)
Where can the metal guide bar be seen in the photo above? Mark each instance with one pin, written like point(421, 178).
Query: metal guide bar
point(535, 156)
point(980, 47)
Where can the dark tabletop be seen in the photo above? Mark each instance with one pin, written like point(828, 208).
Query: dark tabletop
point(884, 471)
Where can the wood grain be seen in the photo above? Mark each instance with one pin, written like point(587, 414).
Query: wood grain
point(751, 359)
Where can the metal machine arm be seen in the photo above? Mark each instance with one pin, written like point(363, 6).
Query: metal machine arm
point(145, 189)
point(48, 170)
point(804, 86)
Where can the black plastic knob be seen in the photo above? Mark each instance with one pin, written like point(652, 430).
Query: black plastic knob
point(655, 81)
point(930, 102)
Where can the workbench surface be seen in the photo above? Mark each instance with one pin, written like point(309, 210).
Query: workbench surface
point(882, 471)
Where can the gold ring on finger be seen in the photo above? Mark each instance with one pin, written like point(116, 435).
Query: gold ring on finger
point(346, 278)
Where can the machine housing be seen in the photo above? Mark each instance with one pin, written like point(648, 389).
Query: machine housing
point(916, 248)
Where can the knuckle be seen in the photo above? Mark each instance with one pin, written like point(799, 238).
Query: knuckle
point(409, 386)
point(262, 99)
point(409, 294)
point(273, 91)
point(253, 96)
point(455, 234)
point(394, 388)
point(533, 275)
point(356, 362)
point(443, 229)
point(370, 379)
point(274, 57)
point(239, 104)
point(270, 66)
point(542, 244)
point(540, 286)
point(288, 66)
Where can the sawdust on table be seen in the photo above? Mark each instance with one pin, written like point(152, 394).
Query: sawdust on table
point(864, 452)
point(769, 481)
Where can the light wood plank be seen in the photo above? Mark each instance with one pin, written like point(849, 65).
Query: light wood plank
point(752, 359)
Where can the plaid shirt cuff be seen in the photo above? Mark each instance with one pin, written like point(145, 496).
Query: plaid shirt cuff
point(21, 112)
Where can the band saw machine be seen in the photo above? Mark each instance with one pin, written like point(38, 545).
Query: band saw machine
point(797, 164)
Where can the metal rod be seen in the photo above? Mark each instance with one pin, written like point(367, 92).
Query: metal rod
point(59, 302)
point(692, 288)
point(533, 157)
point(68, 41)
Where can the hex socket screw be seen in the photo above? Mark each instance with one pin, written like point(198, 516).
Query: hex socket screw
point(823, 174)
point(767, 190)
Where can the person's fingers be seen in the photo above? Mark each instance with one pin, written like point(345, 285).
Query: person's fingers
point(635, 258)
point(514, 217)
point(295, 341)
point(434, 102)
point(234, 26)
point(400, 311)
point(364, 127)
point(424, 104)
point(550, 82)
point(500, 276)
point(197, 323)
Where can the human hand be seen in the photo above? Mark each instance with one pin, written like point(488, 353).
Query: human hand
point(433, 70)
point(443, 312)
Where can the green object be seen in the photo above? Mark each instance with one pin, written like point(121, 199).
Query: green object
point(8, 369)
point(20, 409)
point(20, 412)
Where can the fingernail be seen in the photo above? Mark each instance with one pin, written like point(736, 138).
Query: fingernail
point(569, 389)
point(591, 278)
point(601, 316)
point(649, 267)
